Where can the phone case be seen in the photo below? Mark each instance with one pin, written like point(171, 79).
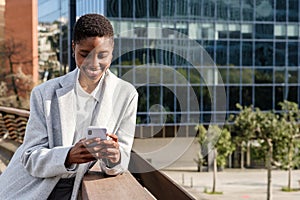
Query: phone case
point(93, 132)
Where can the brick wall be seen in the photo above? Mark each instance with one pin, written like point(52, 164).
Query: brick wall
point(21, 21)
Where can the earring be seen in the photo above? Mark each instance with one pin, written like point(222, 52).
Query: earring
point(73, 55)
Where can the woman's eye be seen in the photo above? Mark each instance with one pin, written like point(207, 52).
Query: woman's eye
point(84, 55)
point(101, 55)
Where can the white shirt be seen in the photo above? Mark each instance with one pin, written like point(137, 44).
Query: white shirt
point(85, 106)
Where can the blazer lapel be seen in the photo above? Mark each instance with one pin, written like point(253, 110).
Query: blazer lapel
point(105, 110)
point(66, 103)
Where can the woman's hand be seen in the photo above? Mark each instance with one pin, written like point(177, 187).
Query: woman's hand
point(87, 150)
point(112, 152)
point(79, 153)
point(105, 149)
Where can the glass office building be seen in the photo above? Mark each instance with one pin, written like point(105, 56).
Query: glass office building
point(253, 43)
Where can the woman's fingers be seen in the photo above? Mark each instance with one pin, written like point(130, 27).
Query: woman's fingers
point(87, 150)
point(105, 149)
point(79, 153)
point(113, 137)
point(112, 154)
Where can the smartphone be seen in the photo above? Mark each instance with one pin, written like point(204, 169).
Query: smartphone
point(94, 131)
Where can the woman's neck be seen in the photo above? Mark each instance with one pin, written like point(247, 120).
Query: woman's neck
point(87, 85)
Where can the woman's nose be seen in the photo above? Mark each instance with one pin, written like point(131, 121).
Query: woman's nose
point(92, 60)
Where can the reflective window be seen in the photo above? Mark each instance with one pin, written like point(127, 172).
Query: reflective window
point(247, 75)
point(293, 93)
point(263, 97)
point(293, 76)
point(222, 10)
point(207, 31)
point(263, 75)
point(247, 10)
point(293, 53)
point(247, 59)
point(280, 31)
point(264, 54)
point(264, 31)
point(195, 8)
point(247, 31)
point(234, 53)
point(294, 10)
point(293, 31)
point(234, 31)
point(208, 9)
point(234, 9)
point(247, 93)
point(222, 53)
point(281, 10)
point(264, 10)
point(280, 75)
point(234, 93)
point(280, 52)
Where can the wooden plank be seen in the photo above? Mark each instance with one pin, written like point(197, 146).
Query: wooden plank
point(7, 150)
point(96, 185)
point(16, 111)
point(9, 145)
point(161, 186)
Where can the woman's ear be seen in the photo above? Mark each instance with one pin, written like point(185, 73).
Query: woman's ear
point(73, 49)
point(73, 45)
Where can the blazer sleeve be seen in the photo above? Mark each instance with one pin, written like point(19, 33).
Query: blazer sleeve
point(125, 135)
point(37, 158)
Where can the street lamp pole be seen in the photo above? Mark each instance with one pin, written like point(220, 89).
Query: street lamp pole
point(72, 20)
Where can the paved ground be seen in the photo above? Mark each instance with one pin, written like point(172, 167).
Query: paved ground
point(236, 184)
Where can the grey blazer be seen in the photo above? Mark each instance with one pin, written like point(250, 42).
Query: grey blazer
point(38, 163)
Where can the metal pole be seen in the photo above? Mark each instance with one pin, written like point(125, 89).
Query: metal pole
point(72, 20)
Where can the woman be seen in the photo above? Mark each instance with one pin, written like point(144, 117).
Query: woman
point(55, 154)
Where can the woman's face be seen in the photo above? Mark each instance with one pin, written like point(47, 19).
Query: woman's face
point(93, 56)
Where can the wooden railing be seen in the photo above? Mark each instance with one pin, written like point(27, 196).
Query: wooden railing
point(158, 184)
point(142, 181)
point(12, 130)
point(13, 123)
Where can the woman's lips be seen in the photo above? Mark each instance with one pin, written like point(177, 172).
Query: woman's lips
point(92, 72)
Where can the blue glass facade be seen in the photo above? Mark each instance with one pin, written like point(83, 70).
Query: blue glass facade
point(254, 44)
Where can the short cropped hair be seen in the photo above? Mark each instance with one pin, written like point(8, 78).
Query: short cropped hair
point(92, 25)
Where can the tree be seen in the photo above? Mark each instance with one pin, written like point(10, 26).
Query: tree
point(201, 140)
point(288, 155)
point(220, 140)
point(244, 127)
point(268, 130)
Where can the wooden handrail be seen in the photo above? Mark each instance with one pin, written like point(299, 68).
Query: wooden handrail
point(15, 111)
point(160, 186)
point(96, 185)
